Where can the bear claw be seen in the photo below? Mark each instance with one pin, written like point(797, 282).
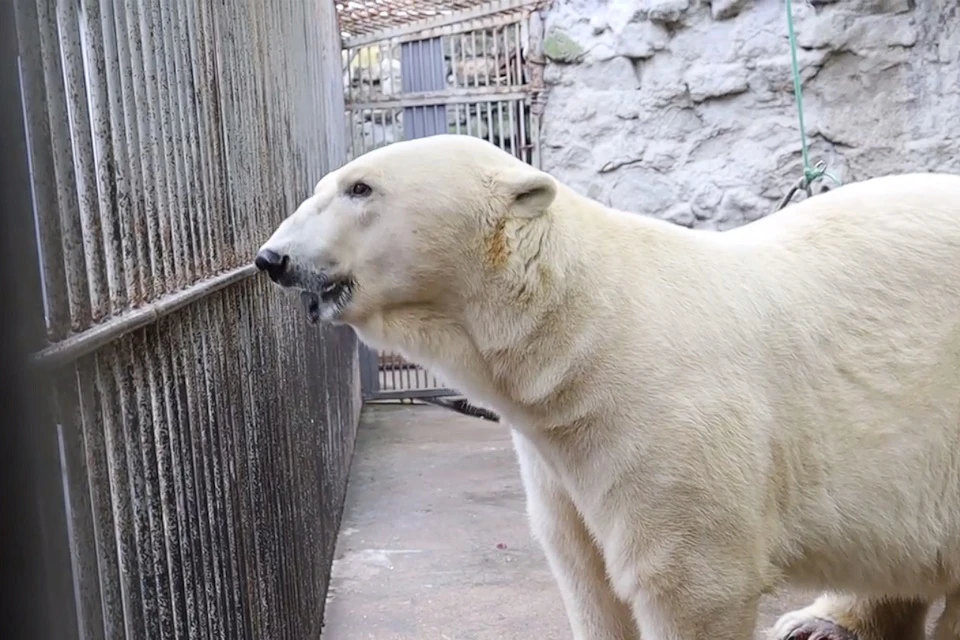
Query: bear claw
point(820, 629)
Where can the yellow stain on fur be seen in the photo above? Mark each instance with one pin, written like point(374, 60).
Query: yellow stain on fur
point(497, 248)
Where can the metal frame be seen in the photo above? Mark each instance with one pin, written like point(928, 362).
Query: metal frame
point(195, 433)
point(475, 72)
point(36, 559)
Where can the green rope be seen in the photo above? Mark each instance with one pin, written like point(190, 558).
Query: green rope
point(810, 173)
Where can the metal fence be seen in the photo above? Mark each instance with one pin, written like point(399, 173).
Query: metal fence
point(202, 428)
point(475, 72)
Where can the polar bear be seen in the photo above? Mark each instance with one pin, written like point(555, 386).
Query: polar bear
point(699, 417)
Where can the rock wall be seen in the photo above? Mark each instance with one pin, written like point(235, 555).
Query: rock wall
point(685, 109)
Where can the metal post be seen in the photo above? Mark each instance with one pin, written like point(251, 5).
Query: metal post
point(38, 597)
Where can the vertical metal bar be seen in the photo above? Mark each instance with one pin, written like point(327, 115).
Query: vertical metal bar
point(348, 98)
point(122, 424)
point(121, 190)
point(463, 69)
point(397, 115)
point(172, 366)
point(172, 599)
point(490, 133)
point(516, 53)
point(200, 103)
point(205, 410)
point(512, 106)
point(35, 558)
point(228, 147)
point(218, 414)
point(500, 124)
point(486, 59)
point(180, 147)
point(252, 418)
point(80, 442)
point(521, 107)
point(494, 41)
point(507, 62)
point(475, 58)
point(193, 471)
point(420, 124)
point(136, 107)
point(119, 568)
point(232, 404)
point(463, 60)
point(33, 437)
point(155, 132)
point(154, 541)
point(449, 44)
point(192, 96)
point(103, 161)
point(41, 164)
point(138, 255)
point(366, 76)
point(508, 53)
point(61, 147)
point(441, 118)
point(78, 110)
point(380, 65)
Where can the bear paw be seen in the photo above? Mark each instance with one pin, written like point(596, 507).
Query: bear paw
point(801, 626)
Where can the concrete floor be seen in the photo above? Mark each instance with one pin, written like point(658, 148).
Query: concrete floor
point(434, 543)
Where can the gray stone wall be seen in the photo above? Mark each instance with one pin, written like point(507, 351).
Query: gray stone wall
point(684, 109)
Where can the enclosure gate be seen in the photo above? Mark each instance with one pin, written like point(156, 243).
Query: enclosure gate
point(202, 428)
point(476, 72)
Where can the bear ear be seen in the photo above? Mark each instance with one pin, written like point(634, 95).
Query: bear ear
point(529, 192)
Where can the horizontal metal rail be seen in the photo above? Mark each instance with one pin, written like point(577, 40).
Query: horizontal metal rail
point(76, 346)
point(450, 96)
point(410, 394)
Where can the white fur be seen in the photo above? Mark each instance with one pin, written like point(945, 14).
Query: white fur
point(699, 417)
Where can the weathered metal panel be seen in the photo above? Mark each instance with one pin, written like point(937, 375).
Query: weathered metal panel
point(203, 428)
point(422, 69)
point(37, 576)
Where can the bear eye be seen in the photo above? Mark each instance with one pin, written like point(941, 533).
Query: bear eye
point(360, 189)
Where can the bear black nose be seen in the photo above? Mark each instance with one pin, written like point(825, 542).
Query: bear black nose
point(271, 262)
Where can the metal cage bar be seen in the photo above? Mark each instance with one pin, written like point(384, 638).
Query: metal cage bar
point(200, 430)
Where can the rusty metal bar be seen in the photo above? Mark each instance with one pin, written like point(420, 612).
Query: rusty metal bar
point(72, 52)
point(101, 155)
point(76, 346)
point(138, 256)
point(61, 156)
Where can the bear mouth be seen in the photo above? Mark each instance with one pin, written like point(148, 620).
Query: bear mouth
point(327, 304)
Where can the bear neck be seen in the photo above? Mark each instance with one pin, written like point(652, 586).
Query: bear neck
point(523, 337)
point(554, 305)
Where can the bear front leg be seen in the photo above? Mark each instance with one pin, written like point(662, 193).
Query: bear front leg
point(685, 583)
point(681, 615)
point(835, 616)
point(594, 611)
